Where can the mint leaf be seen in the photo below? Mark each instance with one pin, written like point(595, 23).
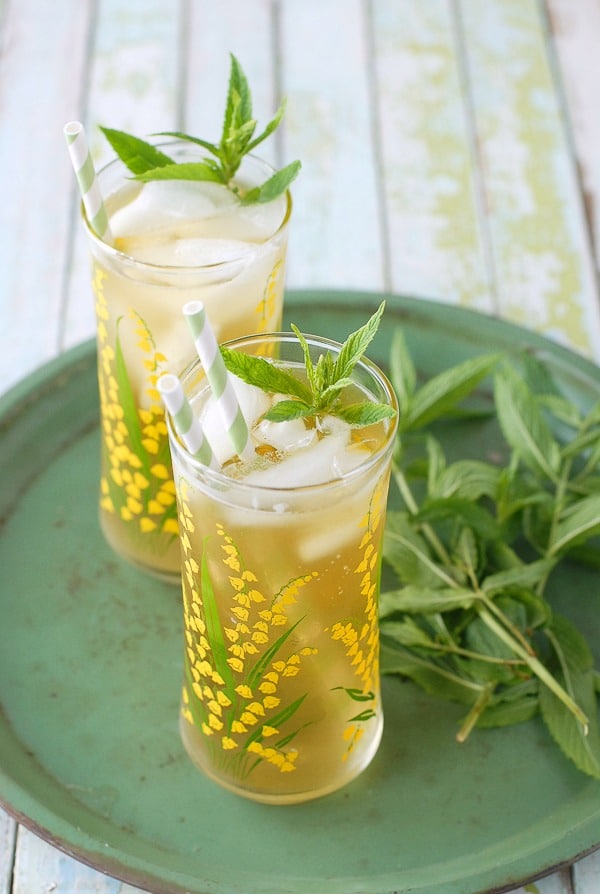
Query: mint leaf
point(444, 391)
point(321, 395)
point(138, 155)
point(524, 426)
point(356, 345)
point(179, 135)
point(284, 410)
point(578, 524)
point(238, 108)
point(271, 126)
point(402, 371)
point(574, 670)
point(274, 186)
point(195, 170)
point(260, 372)
point(366, 413)
point(237, 140)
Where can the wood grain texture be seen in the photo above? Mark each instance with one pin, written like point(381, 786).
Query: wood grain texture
point(213, 32)
point(586, 875)
point(42, 869)
point(36, 181)
point(430, 178)
point(133, 84)
point(544, 278)
point(336, 237)
point(575, 28)
point(8, 832)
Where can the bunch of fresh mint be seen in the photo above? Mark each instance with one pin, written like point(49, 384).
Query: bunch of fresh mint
point(476, 543)
point(147, 162)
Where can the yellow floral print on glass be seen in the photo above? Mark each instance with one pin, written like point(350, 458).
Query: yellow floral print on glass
point(136, 484)
point(255, 673)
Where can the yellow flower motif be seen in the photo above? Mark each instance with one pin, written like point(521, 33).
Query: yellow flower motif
point(248, 685)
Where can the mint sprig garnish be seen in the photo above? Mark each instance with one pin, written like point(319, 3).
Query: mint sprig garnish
point(326, 379)
point(146, 162)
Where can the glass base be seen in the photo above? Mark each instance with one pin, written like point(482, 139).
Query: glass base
point(166, 575)
point(281, 798)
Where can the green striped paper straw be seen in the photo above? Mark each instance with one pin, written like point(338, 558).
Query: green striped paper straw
point(83, 166)
point(186, 424)
point(218, 379)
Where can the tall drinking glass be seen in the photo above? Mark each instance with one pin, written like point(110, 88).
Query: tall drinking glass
point(172, 242)
point(281, 572)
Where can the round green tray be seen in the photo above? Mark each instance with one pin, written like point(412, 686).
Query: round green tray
point(90, 663)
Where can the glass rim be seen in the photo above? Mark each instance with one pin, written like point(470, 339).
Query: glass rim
point(170, 269)
point(218, 478)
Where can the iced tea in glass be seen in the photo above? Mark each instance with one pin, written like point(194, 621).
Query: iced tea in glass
point(173, 241)
point(280, 566)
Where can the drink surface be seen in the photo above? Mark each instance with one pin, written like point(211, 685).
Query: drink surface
point(175, 241)
point(281, 696)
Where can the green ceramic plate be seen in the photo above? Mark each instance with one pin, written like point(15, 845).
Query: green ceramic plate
point(90, 757)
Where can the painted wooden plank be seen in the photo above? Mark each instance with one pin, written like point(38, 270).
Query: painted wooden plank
point(8, 831)
point(576, 36)
point(42, 868)
point(41, 71)
point(134, 85)
point(336, 234)
point(437, 247)
point(557, 883)
point(248, 30)
point(541, 258)
point(586, 875)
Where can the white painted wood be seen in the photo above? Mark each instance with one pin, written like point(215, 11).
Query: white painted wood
point(8, 831)
point(541, 260)
point(42, 49)
point(336, 238)
point(430, 178)
point(586, 874)
point(134, 76)
point(557, 883)
point(214, 31)
point(42, 869)
point(576, 37)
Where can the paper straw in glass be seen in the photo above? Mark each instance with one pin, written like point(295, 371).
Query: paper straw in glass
point(187, 425)
point(218, 379)
point(83, 166)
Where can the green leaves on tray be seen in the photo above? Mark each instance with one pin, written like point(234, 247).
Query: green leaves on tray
point(475, 543)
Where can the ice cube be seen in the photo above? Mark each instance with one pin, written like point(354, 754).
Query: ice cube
point(290, 435)
point(331, 424)
point(350, 458)
point(328, 541)
point(311, 465)
point(253, 401)
point(255, 222)
point(173, 252)
point(161, 204)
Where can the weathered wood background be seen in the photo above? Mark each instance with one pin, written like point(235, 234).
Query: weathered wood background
point(450, 148)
